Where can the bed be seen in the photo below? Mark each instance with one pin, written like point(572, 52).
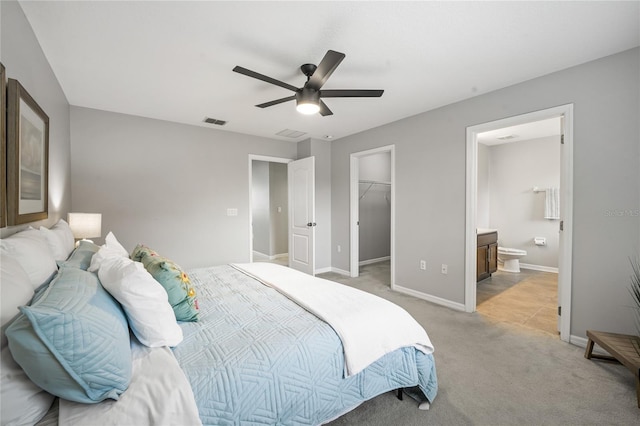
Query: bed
point(261, 343)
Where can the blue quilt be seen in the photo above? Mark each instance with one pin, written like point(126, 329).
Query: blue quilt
point(256, 357)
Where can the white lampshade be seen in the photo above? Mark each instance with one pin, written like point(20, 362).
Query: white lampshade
point(85, 225)
point(308, 108)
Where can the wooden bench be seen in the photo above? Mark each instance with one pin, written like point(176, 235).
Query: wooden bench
point(624, 349)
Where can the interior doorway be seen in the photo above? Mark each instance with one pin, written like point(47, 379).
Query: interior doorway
point(565, 114)
point(268, 209)
point(372, 222)
point(517, 187)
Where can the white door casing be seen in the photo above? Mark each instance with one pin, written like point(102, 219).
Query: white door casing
point(301, 181)
point(566, 207)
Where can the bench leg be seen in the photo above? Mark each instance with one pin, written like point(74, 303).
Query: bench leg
point(589, 349)
point(638, 387)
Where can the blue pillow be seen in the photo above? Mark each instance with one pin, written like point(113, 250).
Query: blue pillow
point(73, 341)
point(81, 256)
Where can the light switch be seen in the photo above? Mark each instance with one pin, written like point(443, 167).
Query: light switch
point(232, 212)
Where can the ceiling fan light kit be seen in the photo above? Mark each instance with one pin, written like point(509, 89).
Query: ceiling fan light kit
point(308, 101)
point(308, 97)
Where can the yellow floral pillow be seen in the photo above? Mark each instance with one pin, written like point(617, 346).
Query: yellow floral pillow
point(176, 282)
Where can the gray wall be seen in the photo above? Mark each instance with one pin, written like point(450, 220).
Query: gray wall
point(24, 61)
point(483, 193)
point(260, 220)
point(279, 208)
point(515, 210)
point(430, 185)
point(167, 185)
point(269, 206)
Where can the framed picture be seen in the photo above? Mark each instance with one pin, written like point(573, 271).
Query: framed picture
point(27, 157)
point(3, 147)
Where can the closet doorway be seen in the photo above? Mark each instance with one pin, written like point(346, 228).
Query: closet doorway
point(372, 221)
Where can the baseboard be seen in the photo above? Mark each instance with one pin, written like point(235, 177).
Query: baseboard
point(268, 257)
point(539, 268)
point(323, 270)
point(429, 298)
point(339, 271)
point(370, 261)
point(578, 341)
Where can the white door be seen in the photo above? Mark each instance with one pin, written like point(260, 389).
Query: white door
point(301, 178)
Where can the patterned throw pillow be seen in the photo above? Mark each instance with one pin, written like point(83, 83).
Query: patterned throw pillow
point(141, 251)
point(176, 282)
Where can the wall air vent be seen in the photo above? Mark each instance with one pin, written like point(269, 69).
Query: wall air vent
point(214, 121)
point(507, 137)
point(288, 133)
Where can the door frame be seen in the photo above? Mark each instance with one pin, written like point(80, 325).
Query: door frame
point(354, 198)
point(566, 207)
point(269, 159)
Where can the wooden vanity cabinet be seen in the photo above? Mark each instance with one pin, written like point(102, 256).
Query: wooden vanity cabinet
point(487, 257)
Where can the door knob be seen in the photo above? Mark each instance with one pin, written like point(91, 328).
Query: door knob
point(311, 224)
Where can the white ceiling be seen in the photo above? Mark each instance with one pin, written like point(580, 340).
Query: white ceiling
point(173, 60)
point(522, 132)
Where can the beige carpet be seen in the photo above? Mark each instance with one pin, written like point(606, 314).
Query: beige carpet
point(498, 373)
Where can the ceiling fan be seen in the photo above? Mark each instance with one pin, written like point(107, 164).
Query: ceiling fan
point(308, 97)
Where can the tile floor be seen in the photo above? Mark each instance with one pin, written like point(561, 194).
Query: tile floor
point(529, 299)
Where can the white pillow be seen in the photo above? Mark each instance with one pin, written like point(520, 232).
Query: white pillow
point(60, 239)
point(144, 300)
point(111, 247)
point(23, 403)
point(32, 252)
point(15, 290)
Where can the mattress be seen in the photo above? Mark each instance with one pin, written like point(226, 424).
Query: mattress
point(257, 357)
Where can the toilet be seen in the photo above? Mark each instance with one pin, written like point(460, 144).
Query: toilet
point(509, 259)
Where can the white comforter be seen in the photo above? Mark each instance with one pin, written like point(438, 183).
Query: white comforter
point(159, 394)
point(368, 325)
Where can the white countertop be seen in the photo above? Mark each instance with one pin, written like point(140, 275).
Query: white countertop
point(481, 231)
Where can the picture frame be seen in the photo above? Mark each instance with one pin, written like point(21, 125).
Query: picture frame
point(27, 157)
point(3, 146)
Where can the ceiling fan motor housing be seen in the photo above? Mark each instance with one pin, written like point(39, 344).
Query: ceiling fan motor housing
point(307, 95)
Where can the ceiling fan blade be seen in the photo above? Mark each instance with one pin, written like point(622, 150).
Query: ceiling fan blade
point(276, 102)
point(326, 67)
point(351, 93)
point(263, 77)
point(324, 109)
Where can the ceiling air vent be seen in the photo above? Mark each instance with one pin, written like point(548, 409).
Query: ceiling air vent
point(288, 133)
point(214, 121)
point(507, 137)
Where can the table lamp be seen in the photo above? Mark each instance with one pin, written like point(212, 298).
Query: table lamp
point(85, 225)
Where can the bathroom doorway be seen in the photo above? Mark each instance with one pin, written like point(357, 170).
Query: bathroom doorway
point(373, 212)
point(554, 235)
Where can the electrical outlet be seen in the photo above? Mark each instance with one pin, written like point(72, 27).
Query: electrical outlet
point(445, 269)
point(423, 265)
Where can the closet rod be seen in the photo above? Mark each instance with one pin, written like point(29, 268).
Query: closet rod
point(374, 182)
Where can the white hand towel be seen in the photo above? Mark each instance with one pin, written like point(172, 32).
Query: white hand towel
point(552, 204)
